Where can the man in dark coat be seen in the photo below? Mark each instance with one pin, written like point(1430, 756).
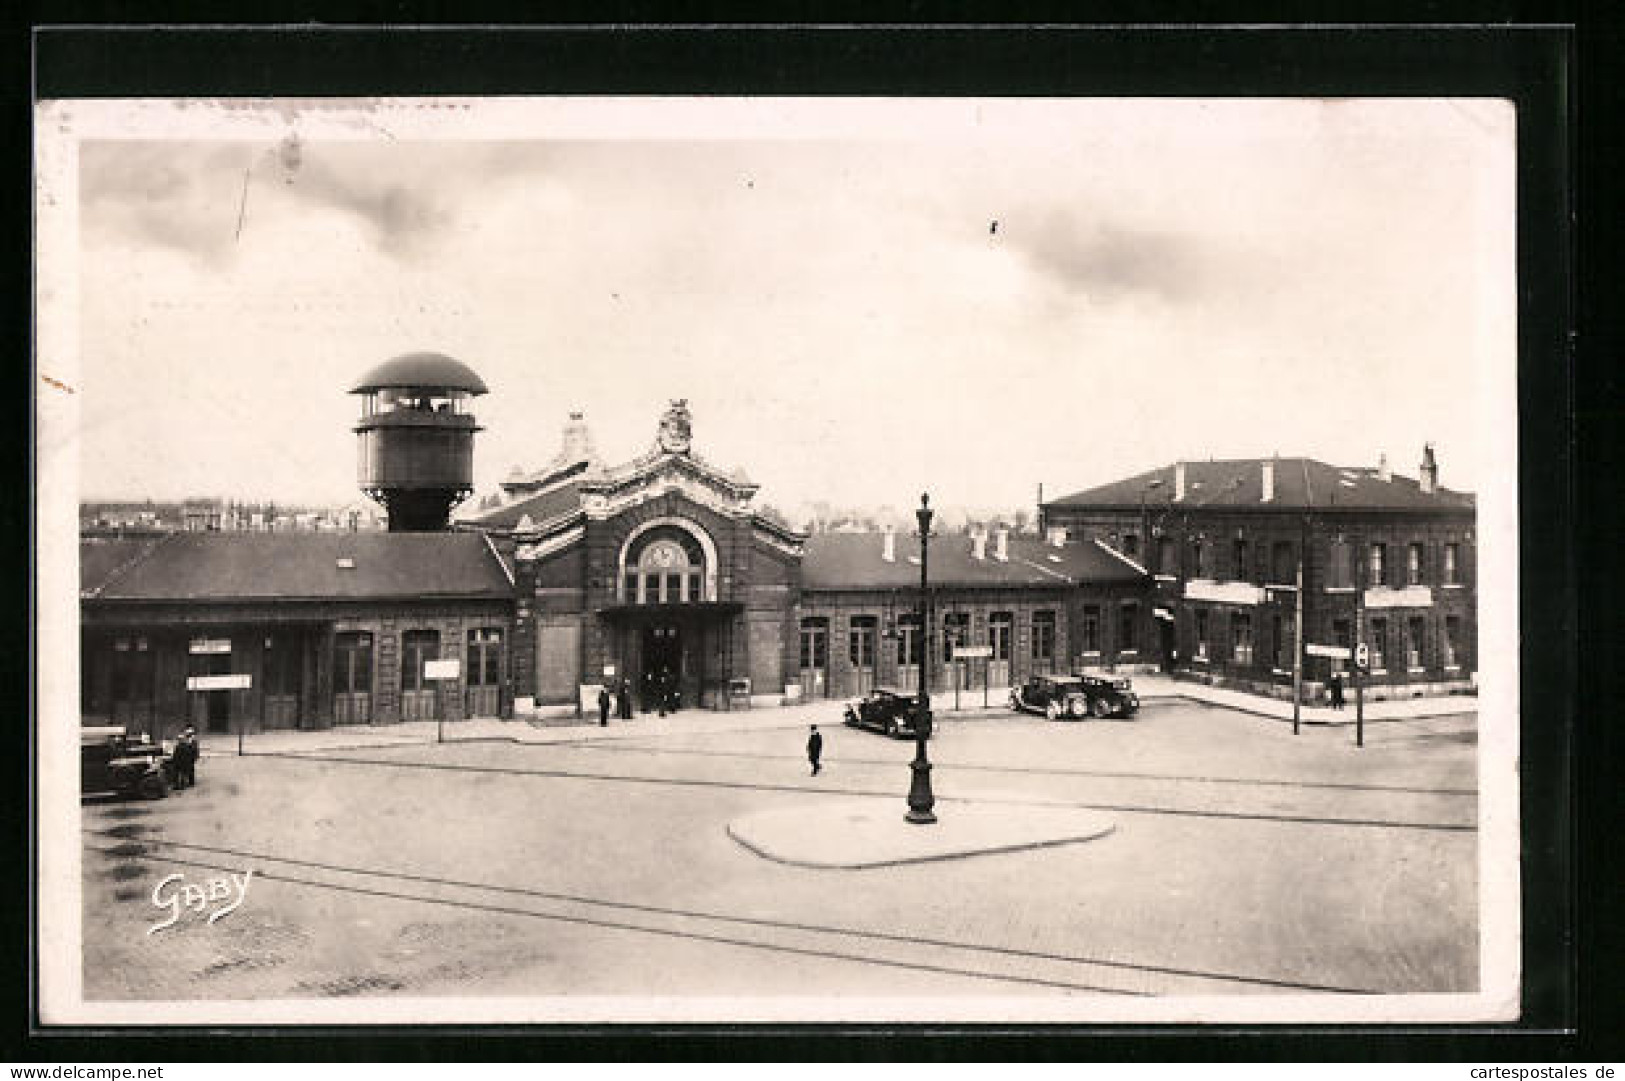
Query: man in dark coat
point(185, 758)
point(626, 700)
point(1337, 690)
point(815, 748)
point(603, 706)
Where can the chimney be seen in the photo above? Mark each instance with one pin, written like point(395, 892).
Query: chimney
point(978, 543)
point(1001, 544)
point(1430, 470)
point(1269, 480)
point(1057, 535)
point(1179, 480)
point(888, 542)
point(1383, 473)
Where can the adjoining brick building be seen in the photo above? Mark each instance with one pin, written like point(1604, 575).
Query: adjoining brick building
point(1386, 560)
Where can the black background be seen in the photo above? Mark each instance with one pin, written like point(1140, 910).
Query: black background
point(1569, 405)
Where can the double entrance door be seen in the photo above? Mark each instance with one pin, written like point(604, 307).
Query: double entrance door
point(665, 677)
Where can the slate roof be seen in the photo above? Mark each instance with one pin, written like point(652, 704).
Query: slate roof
point(853, 561)
point(1300, 484)
point(300, 566)
point(101, 557)
point(542, 507)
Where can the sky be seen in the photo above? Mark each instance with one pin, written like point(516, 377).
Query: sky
point(860, 301)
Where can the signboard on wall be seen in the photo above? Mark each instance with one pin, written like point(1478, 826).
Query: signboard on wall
point(445, 669)
point(1337, 653)
point(219, 683)
point(609, 669)
point(209, 645)
point(963, 652)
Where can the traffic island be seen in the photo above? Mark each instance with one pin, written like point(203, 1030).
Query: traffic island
point(872, 832)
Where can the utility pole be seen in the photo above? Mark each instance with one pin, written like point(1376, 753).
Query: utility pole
point(1297, 647)
point(1360, 651)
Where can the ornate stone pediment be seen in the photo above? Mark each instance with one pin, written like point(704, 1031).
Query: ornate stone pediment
point(656, 475)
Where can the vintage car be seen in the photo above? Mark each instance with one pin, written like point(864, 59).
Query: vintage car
point(111, 760)
point(885, 710)
point(1075, 697)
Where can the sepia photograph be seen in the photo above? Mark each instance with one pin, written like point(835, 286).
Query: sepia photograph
point(626, 560)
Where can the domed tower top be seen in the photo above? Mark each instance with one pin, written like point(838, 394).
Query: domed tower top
point(417, 437)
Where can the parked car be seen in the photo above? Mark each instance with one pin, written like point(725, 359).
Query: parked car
point(112, 760)
point(1110, 696)
point(887, 710)
point(1053, 696)
point(1075, 697)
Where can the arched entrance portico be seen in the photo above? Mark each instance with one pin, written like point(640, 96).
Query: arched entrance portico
point(671, 638)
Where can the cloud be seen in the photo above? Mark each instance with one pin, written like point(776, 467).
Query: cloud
point(1110, 261)
point(402, 217)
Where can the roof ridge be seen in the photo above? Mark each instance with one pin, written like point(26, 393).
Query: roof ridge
point(1114, 552)
point(130, 564)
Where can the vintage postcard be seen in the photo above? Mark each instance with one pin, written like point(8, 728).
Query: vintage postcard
point(615, 560)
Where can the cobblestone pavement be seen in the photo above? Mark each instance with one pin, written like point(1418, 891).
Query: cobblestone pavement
point(1244, 860)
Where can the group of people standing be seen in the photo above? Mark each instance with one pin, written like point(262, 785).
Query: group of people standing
point(661, 687)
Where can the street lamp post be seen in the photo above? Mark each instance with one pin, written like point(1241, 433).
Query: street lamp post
point(920, 800)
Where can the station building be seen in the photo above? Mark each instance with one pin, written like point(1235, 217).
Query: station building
point(662, 569)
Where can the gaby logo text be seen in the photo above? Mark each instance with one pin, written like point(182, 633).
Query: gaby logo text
point(177, 895)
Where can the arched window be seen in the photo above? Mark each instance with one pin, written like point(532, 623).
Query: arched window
point(665, 566)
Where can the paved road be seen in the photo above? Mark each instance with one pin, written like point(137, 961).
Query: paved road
point(1245, 860)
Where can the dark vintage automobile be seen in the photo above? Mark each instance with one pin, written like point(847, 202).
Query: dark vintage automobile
point(886, 710)
point(1075, 697)
point(111, 760)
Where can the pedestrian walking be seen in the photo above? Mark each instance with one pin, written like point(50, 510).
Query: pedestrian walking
point(626, 700)
point(603, 706)
point(185, 758)
point(1337, 690)
point(815, 748)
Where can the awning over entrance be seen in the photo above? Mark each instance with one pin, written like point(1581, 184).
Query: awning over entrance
point(670, 611)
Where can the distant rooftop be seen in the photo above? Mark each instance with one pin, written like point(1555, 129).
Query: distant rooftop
point(1238, 483)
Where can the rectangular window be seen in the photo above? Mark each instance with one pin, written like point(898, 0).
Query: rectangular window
point(1283, 564)
point(1197, 567)
point(671, 592)
point(1240, 572)
point(1201, 634)
point(1128, 628)
point(352, 662)
point(860, 642)
point(910, 648)
point(1379, 566)
point(1379, 645)
point(955, 632)
point(1452, 564)
point(1452, 641)
point(1043, 640)
point(815, 642)
point(631, 596)
point(282, 668)
point(695, 594)
point(1089, 637)
point(417, 648)
point(1165, 556)
point(998, 635)
point(484, 657)
point(1284, 633)
point(1413, 565)
point(1241, 638)
point(1413, 643)
point(1340, 566)
point(1131, 545)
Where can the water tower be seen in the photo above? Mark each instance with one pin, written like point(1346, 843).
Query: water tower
point(417, 438)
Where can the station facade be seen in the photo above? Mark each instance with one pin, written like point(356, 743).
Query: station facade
point(660, 574)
